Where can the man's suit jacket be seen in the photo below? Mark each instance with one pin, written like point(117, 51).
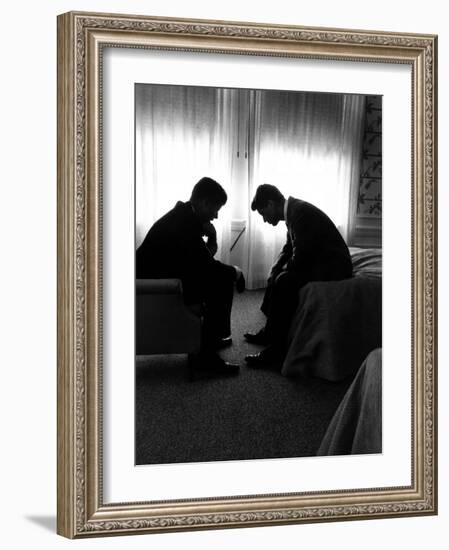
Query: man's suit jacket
point(174, 248)
point(315, 249)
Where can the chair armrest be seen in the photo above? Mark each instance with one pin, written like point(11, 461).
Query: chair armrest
point(164, 324)
point(158, 286)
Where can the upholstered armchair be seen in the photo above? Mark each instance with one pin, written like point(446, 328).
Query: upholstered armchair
point(164, 324)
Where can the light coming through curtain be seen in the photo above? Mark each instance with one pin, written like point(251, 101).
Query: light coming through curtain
point(182, 134)
point(307, 145)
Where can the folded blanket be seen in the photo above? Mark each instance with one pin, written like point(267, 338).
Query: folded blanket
point(335, 326)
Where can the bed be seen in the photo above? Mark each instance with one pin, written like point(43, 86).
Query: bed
point(337, 324)
point(356, 427)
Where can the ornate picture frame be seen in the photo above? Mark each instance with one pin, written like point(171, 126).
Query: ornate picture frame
point(82, 511)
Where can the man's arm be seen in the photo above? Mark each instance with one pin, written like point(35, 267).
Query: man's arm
point(305, 230)
point(210, 233)
point(211, 243)
point(283, 258)
point(199, 257)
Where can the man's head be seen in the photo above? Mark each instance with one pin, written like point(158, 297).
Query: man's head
point(269, 203)
point(208, 196)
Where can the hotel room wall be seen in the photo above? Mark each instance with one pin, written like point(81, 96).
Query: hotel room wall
point(368, 217)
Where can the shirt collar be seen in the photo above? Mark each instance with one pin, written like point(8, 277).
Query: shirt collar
point(285, 209)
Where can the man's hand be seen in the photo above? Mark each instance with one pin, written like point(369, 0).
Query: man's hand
point(209, 230)
point(273, 274)
point(210, 233)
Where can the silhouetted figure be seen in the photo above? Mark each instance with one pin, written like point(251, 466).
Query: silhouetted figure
point(314, 251)
point(182, 245)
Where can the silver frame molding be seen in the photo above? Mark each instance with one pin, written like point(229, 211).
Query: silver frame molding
point(81, 37)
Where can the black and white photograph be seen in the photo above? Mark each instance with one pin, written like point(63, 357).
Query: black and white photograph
point(247, 276)
point(187, 364)
point(258, 271)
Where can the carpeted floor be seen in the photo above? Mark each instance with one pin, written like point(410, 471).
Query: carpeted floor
point(255, 415)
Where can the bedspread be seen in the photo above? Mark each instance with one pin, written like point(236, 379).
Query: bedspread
point(335, 326)
point(366, 262)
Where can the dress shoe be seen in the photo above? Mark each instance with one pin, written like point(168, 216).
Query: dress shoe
point(222, 343)
point(260, 337)
point(269, 356)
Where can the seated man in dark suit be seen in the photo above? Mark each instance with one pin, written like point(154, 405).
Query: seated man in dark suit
point(182, 245)
point(314, 251)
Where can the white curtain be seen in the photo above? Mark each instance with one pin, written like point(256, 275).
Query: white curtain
point(309, 146)
point(182, 134)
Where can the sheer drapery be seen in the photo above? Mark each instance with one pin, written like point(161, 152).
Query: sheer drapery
point(307, 145)
point(182, 134)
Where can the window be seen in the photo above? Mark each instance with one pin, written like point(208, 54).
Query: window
point(307, 144)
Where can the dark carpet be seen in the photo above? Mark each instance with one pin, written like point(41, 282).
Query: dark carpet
point(256, 414)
